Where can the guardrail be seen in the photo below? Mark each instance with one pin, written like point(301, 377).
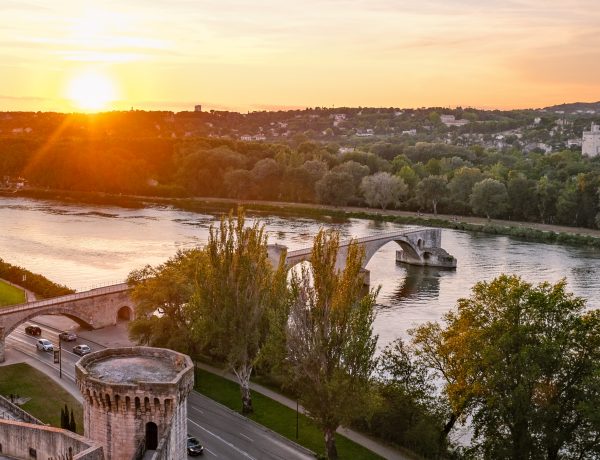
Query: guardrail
point(364, 239)
point(67, 298)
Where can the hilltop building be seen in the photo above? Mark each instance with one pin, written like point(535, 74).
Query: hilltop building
point(450, 120)
point(590, 144)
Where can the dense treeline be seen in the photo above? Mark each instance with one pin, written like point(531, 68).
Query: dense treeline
point(516, 362)
point(560, 188)
point(38, 284)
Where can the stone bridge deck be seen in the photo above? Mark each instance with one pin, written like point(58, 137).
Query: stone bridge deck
point(94, 309)
point(418, 246)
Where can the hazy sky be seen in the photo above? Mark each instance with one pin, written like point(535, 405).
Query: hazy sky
point(270, 54)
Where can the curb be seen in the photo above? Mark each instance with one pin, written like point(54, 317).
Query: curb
point(261, 427)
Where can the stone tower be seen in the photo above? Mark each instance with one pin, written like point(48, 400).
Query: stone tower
point(135, 398)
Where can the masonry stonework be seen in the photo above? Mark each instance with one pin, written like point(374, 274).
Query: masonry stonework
point(135, 397)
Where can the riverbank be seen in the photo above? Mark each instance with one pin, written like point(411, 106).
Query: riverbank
point(527, 230)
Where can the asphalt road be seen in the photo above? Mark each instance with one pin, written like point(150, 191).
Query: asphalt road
point(224, 434)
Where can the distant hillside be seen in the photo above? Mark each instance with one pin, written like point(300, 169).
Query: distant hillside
point(575, 107)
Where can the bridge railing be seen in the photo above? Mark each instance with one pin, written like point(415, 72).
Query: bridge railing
point(364, 239)
point(67, 298)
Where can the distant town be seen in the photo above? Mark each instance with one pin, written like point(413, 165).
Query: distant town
point(568, 126)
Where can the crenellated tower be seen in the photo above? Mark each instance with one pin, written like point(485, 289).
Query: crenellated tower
point(135, 398)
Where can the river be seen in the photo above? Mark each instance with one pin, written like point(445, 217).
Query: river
point(86, 246)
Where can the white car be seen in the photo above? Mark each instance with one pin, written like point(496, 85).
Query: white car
point(44, 345)
point(82, 350)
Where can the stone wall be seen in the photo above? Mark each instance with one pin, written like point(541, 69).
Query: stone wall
point(116, 414)
point(16, 412)
point(26, 440)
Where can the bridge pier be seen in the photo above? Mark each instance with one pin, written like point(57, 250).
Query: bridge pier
point(431, 257)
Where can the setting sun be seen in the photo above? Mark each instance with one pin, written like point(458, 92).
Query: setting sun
point(91, 91)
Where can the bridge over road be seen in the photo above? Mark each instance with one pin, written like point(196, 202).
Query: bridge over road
point(418, 246)
point(94, 309)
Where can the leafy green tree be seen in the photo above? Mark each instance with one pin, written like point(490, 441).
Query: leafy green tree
point(383, 189)
point(236, 289)
point(239, 183)
point(523, 361)
point(267, 174)
point(461, 186)
point(409, 413)
point(489, 197)
point(336, 188)
point(567, 206)
point(521, 196)
point(356, 171)
point(547, 195)
point(162, 298)
point(409, 176)
point(432, 189)
point(399, 162)
point(329, 337)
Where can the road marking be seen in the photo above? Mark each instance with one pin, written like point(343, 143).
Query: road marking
point(208, 450)
point(196, 409)
point(245, 454)
point(37, 358)
point(249, 439)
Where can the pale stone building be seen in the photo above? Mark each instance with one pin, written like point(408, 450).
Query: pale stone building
point(590, 144)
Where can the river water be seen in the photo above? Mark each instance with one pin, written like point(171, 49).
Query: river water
point(86, 246)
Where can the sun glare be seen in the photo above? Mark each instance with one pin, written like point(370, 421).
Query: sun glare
point(91, 91)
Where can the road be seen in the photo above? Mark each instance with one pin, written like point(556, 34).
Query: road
point(224, 434)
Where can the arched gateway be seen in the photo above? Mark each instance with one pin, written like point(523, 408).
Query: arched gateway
point(418, 246)
point(94, 309)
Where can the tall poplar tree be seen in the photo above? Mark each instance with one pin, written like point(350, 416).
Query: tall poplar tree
point(330, 337)
point(237, 288)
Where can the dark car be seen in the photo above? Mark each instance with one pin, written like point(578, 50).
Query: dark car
point(194, 448)
point(82, 350)
point(33, 330)
point(66, 336)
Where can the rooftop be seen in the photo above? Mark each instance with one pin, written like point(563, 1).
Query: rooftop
point(132, 369)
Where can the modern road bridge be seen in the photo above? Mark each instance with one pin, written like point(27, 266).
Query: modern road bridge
point(93, 309)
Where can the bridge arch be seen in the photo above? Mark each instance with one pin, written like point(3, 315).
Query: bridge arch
point(125, 313)
point(80, 318)
point(371, 248)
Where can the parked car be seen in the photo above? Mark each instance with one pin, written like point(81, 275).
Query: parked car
point(194, 448)
point(33, 330)
point(68, 336)
point(82, 350)
point(44, 345)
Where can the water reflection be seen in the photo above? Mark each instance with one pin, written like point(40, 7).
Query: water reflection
point(82, 246)
point(421, 282)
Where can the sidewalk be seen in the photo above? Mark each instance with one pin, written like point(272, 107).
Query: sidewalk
point(374, 445)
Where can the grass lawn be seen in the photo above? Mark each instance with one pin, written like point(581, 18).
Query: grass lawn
point(10, 295)
point(277, 417)
point(47, 397)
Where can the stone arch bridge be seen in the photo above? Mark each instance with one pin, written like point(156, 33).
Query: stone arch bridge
point(418, 246)
point(94, 309)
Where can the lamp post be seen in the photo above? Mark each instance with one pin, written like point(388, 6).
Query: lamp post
point(59, 356)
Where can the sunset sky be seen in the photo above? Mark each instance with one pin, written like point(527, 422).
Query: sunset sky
point(267, 54)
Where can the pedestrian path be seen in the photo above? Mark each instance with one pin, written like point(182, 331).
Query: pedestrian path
point(374, 445)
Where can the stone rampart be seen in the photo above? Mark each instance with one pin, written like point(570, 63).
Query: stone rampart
point(16, 412)
point(26, 440)
point(123, 406)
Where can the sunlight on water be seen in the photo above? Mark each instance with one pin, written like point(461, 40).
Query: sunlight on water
point(86, 246)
